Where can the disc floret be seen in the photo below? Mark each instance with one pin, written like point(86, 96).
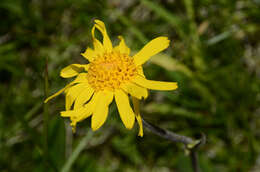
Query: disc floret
point(109, 71)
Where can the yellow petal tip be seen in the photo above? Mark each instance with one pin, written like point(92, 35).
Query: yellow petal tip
point(140, 134)
point(129, 126)
point(166, 41)
point(47, 99)
point(175, 85)
point(64, 114)
point(97, 21)
point(95, 128)
point(73, 127)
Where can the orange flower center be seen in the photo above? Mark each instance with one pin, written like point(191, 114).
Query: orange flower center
point(109, 71)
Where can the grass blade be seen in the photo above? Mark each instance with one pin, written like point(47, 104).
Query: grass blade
point(67, 166)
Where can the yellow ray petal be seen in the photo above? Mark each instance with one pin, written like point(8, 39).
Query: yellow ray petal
point(106, 40)
point(101, 110)
point(73, 70)
point(56, 94)
point(89, 54)
point(153, 47)
point(98, 47)
point(79, 114)
point(154, 85)
point(138, 116)
point(72, 93)
point(125, 111)
point(89, 107)
point(122, 47)
point(84, 96)
point(81, 78)
point(141, 71)
point(135, 90)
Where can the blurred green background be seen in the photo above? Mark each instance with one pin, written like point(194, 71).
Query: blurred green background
point(214, 56)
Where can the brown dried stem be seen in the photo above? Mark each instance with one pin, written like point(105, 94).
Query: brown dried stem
point(191, 145)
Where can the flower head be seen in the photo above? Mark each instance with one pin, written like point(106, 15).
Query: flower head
point(111, 74)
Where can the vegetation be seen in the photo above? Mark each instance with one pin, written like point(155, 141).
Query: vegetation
point(214, 57)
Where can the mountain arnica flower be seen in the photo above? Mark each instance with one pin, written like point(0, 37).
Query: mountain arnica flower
point(112, 73)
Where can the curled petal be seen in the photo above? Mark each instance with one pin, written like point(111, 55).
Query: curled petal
point(122, 47)
point(83, 96)
point(73, 70)
point(79, 114)
point(98, 47)
point(72, 93)
point(106, 40)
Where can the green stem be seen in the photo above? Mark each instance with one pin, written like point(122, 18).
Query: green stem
point(67, 166)
point(45, 114)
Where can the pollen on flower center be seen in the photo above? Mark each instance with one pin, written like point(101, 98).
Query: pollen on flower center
point(109, 71)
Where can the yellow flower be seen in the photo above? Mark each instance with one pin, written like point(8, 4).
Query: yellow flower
point(111, 73)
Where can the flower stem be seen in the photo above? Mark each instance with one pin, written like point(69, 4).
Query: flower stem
point(45, 114)
point(191, 145)
point(80, 147)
